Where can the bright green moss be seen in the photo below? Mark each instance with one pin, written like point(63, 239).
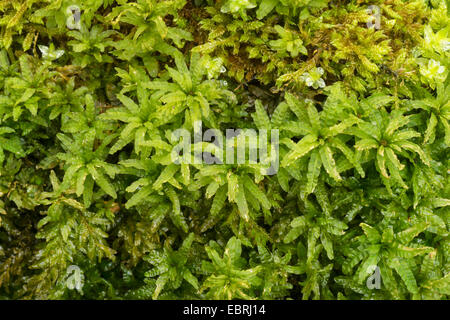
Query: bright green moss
point(93, 207)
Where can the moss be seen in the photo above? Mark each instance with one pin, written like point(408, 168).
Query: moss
point(92, 205)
